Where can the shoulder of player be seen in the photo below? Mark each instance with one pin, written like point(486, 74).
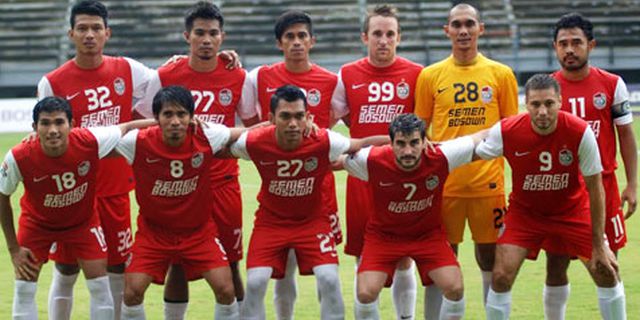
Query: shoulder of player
point(515, 120)
point(319, 70)
point(61, 70)
point(571, 121)
point(605, 75)
point(495, 65)
point(406, 63)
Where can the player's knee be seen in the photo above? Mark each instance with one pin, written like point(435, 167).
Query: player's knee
point(329, 282)
point(453, 291)
point(133, 295)
point(256, 282)
point(604, 277)
point(366, 295)
point(225, 293)
point(502, 279)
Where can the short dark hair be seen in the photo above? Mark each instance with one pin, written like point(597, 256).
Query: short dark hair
point(51, 104)
point(574, 20)
point(203, 10)
point(289, 93)
point(406, 123)
point(289, 18)
point(173, 94)
point(462, 6)
point(383, 10)
point(91, 8)
point(541, 81)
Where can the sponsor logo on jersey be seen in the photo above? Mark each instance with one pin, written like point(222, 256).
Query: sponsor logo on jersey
point(119, 86)
point(565, 157)
point(432, 182)
point(225, 96)
point(487, 94)
point(311, 164)
point(197, 159)
point(402, 90)
point(313, 97)
point(83, 168)
point(599, 100)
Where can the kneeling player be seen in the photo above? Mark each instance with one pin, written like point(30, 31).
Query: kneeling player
point(171, 166)
point(58, 170)
point(291, 213)
point(406, 184)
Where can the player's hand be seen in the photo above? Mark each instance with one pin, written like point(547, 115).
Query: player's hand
point(312, 128)
point(25, 264)
point(629, 196)
point(603, 260)
point(231, 57)
point(174, 59)
point(430, 146)
point(197, 122)
point(32, 136)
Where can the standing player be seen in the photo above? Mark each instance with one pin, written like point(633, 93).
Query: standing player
point(370, 93)
point(219, 94)
point(294, 36)
point(600, 98)
point(291, 213)
point(173, 189)
point(101, 90)
point(557, 196)
point(58, 169)
point(462, 94)
point(407, 185)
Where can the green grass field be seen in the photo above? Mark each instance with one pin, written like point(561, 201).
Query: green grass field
point(527, 292)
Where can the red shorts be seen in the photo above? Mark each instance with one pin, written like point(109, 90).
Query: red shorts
point(227, 214)
point(85, 242)
point(429, 253)
point(614, 225)
point(313, 243)
point(329, 197)
point(115, 218)
point(558, 236)
point(155, 249)
point(359, 207)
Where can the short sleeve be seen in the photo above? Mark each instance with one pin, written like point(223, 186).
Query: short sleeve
point(140, 76)
point(217, 134)
point(253, 80)
point(356, 164)
point(492, 146)
point(127, 145)
point(239, 148)
point(424, 96)
point(10, 175)
point(44, 89)
point(247, 105)
point(621, 101)
point(589, 154)
point(107, 137)
point(458, 151)
point(339, 144)
point(144, 106)
point(508, 95)
point(339, 99)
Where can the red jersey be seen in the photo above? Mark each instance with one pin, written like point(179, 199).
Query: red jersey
point(373, 96)
point(172, 187)
point(100, 97)
point(217, 94)
point(591, 99)
point(318, 84)
point(407, 203)
point(59, 193)
point(546, 170)
point(291, 180)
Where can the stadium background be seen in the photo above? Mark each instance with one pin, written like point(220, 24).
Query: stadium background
point(33, 41)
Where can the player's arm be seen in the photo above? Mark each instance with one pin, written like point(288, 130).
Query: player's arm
point(355, 164)
point(489, 144)
point(508, 94)
point(135, 124)
point(339, 106)
point(246, 108)
point(424, 100)
point(623, 119)
point(143, 107)
point(357, 144)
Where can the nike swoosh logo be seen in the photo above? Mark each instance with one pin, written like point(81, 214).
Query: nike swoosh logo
point(441, 90)
point(520, 154)
point(386, 184)
point(271, 89)
point(406, 317)
point(149, 160)
point(40, 178)
point(73, 96)
point(266, 163)
point(358, 86)
point(618, 240)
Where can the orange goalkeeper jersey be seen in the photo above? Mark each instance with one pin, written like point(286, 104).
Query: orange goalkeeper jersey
point(457, 100)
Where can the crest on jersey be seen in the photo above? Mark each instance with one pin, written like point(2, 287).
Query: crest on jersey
point(432, 182)
point(4, 168)
point(402, 90)
point(197, 159)
point(565, 157)
point(599, 100)
point(311, 164)
point(83, 168)
point(225, 96)
point(487, 94)
point(119, 86)
point(313, 97)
